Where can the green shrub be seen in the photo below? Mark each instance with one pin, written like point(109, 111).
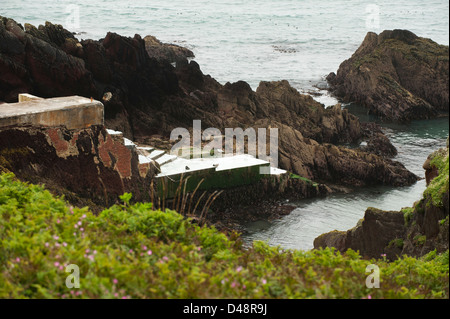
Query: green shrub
point(439, 186)
point(133, 251)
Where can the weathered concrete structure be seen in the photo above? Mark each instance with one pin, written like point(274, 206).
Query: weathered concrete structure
point(74, 112)
point(64, 121)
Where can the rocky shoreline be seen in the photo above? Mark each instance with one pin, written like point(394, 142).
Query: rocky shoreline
point(413, 231)
point(149, 88)
point(397, 76)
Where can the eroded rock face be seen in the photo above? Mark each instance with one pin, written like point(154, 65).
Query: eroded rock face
point(146, 98)
point(413, 231)
point(166, 52)
point(86, 165)
point(396, 75)
point(370, 237)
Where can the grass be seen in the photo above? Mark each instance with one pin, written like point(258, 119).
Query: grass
point(295, 176)
point(439, 186)
point(135, 251)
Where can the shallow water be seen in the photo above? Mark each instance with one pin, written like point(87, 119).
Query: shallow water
point(314, 217)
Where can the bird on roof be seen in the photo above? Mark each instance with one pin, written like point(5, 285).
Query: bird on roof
point(187, 168)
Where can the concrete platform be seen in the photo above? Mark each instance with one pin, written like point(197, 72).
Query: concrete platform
point(75, 112)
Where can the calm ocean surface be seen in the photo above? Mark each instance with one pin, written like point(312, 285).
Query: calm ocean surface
point(300, 41)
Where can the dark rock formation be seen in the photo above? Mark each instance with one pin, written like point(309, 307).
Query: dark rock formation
point(147, 97)
point(396, 75)
point(87, 166)
point(166, 52)
point(412, 231)
point(377, 142)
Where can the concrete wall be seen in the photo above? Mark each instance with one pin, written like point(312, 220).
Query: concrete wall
point(74, 112)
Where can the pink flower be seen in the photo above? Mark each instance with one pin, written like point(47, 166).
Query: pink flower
point(130, 251)
point(18, 259)
point(115, 281)
point(79, 223)
point(76, 226)
point(149, 252)
point(87, 251)
point(165, 258)
point(264, 281)
point(82, 229)
point(94, 252)
point(61, 267)
point(47, 244)
point(233, 284)
point(124, 297)
point(369, 297)
point(55, 237)
point(64, 244)
point(58, 221)
point(144, 247)
point(239, 269)
point(116, 295)
point(78, 293)
point(56, 264)
point(84, 216)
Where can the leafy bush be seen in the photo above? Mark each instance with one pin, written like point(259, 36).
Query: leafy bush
point(439, 186)
point(133, 251)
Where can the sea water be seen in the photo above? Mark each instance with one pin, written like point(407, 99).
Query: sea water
point(301, 41)
point(251, 40)
point(314, 217)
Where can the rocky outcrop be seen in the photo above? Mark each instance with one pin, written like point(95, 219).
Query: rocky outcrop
point(377, 142)
point(87, 166)
point(146, 98)
point(396, 75)
point(413, 231)
point(166, 52)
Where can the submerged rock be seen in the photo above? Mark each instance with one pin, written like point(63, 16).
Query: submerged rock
point(396, 75)
point(88, 166)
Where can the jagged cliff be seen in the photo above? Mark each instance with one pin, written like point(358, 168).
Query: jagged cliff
point(396, 75)
point(87, 166)
point(145, 97)
point(413, 231)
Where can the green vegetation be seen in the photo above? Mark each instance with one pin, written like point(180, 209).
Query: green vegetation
point(408, 214)
point(133, 251)
point(439, 185)
point(420, 240)
point(397, 243)
point(295, 176)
